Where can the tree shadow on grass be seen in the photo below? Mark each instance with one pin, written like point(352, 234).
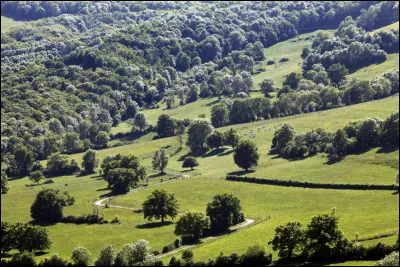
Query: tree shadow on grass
point(190, 170)
point(242, 172)
point(35, 222)
point(110, 194)
point(156, 175)
point(332, 161)
point(214, 152)
point(226, 153)
point(41, 253)
point(152, 225)
point(212, 103)
point(387, 149)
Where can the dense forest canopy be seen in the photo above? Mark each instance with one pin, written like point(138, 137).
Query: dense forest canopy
point(78, 68)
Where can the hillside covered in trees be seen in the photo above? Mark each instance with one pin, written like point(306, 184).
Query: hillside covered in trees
point(73, 73)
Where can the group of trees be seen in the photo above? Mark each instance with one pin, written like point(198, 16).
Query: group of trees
point(224, 211)
point(355, 136)
point(23, 237)
point(63, 95)
point(320, 241)
point(49, 204)
point(122, 172)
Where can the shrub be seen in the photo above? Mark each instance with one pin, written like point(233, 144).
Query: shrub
point(284, 59)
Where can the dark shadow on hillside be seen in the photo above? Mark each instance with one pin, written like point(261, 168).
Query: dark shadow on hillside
point(103, 189)
point(212, 103)
point(190, 170)
point(239, 173)
point(152, 225)
point(41, 253)
point(110, 194)
point(334, 160)
point(395, 193)
point(131, 136)
point(156, 175)
point(5, 255)
point(214, 152)
point(226, 153)
point(387, 149)
point(84, 173)
point(176, 152)
point(35, 222)
point(192, 154)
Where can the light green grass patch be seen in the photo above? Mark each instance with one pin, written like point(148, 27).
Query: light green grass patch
point(376, 70)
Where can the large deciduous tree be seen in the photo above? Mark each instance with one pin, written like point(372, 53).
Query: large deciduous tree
point(198, 131)
point(288, 239)
point(224, 211)
point(246, 154)
point(160, 160)
point(90, 161)
point(192, 225)
point(159, 205)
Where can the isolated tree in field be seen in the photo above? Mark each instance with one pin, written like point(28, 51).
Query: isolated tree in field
point(4, 181)
point(190, 162)
point(160, 160)
point(214, 139)
point(337, 73)
point(36, 176)
point(322, 233)
point(159, 205)
point(246, 154)
point(90, 161)
point(198, 131)
point(219, 115)
point(140, 121)
point(288, 239)
point(48, 206)
point(192, 225)
point(165, 126)
point(81, 256)
point(106, 257)
point(267, 87)
point(224, 211)
point(231, 138)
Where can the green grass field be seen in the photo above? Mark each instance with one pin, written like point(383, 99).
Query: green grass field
point(366, 212)
point(394, 25)
point(291, 49)
point(376, 70)
point(8, 23)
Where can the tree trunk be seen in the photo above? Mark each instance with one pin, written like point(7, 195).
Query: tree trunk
point(162, 219)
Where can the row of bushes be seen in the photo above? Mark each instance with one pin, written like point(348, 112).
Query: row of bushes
point(174, 245)
point(89, 219)
point(311, 185)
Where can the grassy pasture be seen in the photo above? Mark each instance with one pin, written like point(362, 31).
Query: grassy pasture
point(366, 212)
point(392, 26)
point(8, 23)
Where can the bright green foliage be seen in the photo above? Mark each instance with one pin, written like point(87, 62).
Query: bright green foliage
point(54, 260)
point(267, 87)
point(36, 176)
point(282, 136)
point(219, 115)
point(192, 225)
point(390, 260)
point(224, 211)
point(4, 181)
point(81, 256)
point(159, 205)
point(160, 160)
point(246, 155)
point(198, 130)
point(133, 254)
point(187, 256)
point(256, 256)
point(106, 257)
point(231, 138)
point(140, 121)
point(59, 164)
point(337, 73)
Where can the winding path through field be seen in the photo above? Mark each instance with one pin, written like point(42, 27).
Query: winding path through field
point(233, 228)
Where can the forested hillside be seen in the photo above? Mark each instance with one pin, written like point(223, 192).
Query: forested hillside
point(109, 98)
